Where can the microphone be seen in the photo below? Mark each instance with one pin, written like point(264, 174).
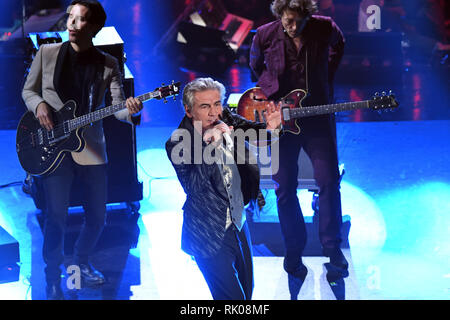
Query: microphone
point(226, 136)
point(301, 24)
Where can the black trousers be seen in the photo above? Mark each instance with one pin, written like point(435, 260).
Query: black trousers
point(229, 274)
point(57, 189)
point(318, 140)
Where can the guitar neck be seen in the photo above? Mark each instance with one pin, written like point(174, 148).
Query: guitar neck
point(327, 109)
point(106, 112)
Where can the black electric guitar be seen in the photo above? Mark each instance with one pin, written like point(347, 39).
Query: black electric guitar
point(252, 106)
point(40, 151)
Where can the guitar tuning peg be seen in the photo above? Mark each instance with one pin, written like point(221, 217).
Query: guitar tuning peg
point(390, 92)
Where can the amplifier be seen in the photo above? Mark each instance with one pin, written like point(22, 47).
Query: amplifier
point(107, 40)
point(9, 257)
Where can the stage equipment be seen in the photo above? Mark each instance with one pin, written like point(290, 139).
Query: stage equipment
point(107, 40)
point(15, 58)
point(205, 37)
point(46, 20)
point(373, 58)
point(212, 13)
point(203, 48)
point(13, 61)
point(9, 257)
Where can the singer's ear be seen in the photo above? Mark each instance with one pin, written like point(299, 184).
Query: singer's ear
point(188, 113)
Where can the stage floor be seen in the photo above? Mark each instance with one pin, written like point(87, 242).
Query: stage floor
point(395, 190)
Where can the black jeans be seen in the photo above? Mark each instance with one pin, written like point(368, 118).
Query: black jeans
point(318, 140)
point(57, 189)
point(229, 274)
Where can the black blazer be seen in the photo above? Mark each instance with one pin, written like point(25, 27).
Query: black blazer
point(205, 208)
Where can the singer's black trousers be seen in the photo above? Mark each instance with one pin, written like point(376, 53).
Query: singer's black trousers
point(229, 274)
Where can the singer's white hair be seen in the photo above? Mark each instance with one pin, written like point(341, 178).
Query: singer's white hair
point(201, 84)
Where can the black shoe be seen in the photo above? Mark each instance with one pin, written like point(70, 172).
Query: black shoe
point(54, 291)
point(90, 276)
point(298, 271)
point(337, 258)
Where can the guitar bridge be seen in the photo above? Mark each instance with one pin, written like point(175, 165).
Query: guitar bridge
point(51, 138)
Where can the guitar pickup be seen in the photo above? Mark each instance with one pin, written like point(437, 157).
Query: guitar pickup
point(56, 135)
point(66, 127)
point(286, 114)
point(50, 135)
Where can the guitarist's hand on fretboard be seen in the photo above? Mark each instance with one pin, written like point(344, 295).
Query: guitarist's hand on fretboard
point(43, 139)
point(273, 116)
point(44, 115)
point(134, 105)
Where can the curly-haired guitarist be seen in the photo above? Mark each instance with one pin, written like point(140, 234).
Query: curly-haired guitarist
point(301, 50)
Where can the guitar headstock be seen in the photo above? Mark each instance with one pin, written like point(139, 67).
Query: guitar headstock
point(383, 101)
point(172, 90)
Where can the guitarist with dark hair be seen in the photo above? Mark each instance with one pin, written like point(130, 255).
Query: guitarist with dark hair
point(76, 70)
point(302, 51)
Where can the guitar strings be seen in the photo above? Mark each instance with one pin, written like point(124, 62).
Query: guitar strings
point(119, 106)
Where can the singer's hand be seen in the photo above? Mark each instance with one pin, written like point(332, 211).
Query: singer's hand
point(215, 134)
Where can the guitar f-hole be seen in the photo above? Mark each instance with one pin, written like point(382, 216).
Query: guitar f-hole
point(264, 115)
point(256, 115)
